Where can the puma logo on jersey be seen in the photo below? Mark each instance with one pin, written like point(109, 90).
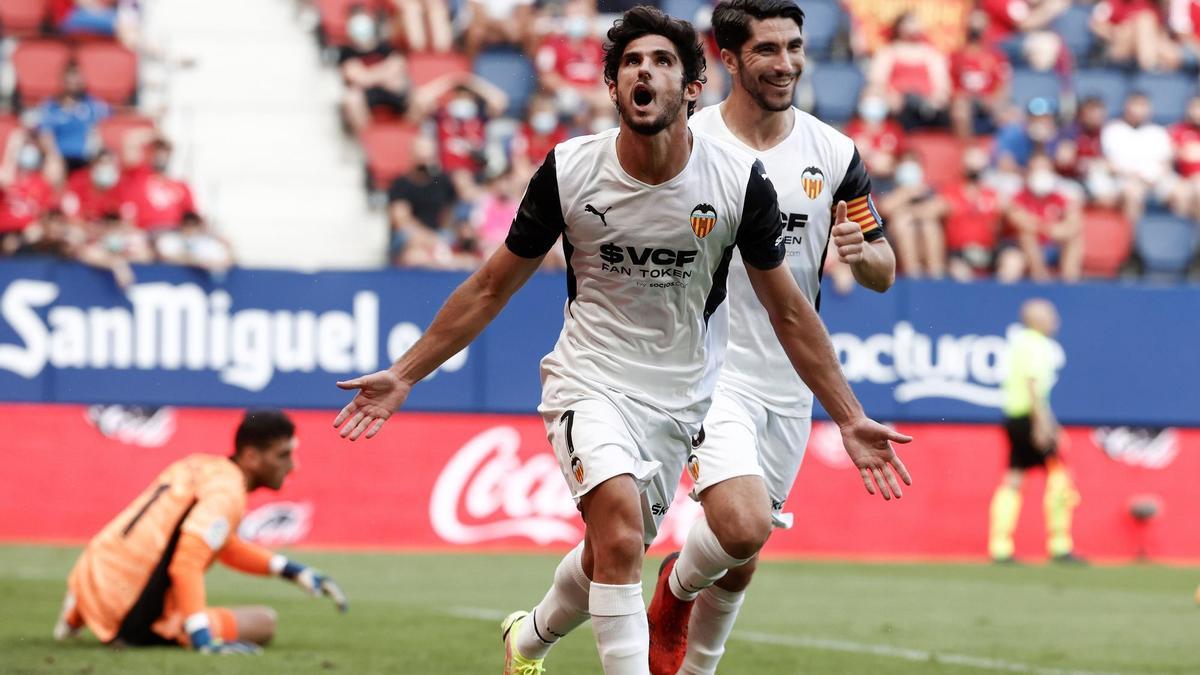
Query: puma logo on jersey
point(588, 208)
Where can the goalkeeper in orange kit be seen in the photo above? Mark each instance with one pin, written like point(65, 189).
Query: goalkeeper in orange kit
point(140, 581)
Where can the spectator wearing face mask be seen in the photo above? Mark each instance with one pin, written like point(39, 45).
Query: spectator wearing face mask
point(970, 212)
point(29, 172)
point(1078, 154)
point(1017, 142)
point(420, 206)
point(1141, 155)
point(1185, 137)
point(497, 22)
point(114, 244)
point(1135, 31)
point(70, 120)
point(1044, 229)
point(91, 192)
point(460, 106)
point(912, 211)
point(374, 74)
point(1025, 27)
point(541, 131)
point(879, 140)
point(50, 235)
point(913, 76)
point(570, 62)
point(149, 197)
point(194, 244)
point(980, 74)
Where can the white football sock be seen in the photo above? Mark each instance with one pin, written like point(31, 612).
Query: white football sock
point(701, 562)
point(622, 633)
point(712, 620)
point(563, 609)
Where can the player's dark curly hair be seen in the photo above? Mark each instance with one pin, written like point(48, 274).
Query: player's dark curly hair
point(260, 428)
point(731, 19)
point(645, 20)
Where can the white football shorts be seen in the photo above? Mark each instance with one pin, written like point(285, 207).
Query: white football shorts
point(598, 433)
point(742, 437)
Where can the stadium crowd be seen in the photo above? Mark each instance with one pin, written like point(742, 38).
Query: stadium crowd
point(83, 175)
point(1041, 139)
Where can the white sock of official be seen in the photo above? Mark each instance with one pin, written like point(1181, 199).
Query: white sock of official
point(701, 562)
point(713, 615)
point(622, 633)
point(560, 612)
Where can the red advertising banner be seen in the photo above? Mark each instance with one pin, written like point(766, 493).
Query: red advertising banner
point(484, 481)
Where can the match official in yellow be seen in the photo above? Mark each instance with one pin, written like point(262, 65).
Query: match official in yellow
point(1033, 435)
point(140, 581)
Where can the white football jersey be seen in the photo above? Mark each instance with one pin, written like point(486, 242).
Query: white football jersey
point(646, 264)
point(812, 169)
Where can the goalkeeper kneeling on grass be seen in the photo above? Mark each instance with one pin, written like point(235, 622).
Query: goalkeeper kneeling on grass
point(141, 580)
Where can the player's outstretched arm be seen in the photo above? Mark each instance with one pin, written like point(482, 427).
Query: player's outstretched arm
point(807, 345)
point(472, 306)
point(872, 262)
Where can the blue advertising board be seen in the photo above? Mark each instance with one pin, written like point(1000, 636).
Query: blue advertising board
point(924, 351)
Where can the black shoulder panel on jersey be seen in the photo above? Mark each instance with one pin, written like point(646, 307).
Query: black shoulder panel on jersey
point(716, 295)
point(572, 286)
point(539, 220)
point(758, 235)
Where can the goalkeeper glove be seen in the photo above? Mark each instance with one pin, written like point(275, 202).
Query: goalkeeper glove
point(311, 580)
point(204, 643)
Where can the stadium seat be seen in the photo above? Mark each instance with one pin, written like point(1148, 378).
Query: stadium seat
point(22, 18)
point(941, 155)
point(424, 67)
point(823, 20)
point(39, 66)
point(1166, 245)
point(512, 72)
point(836, 87)
point(1109, 85)
point(112, 130)
point(1107, 242)
point(1168, 92)
point(1074, 27)
point(333, 20)
point(388, 145)
point(1030, 84)
point(109, 71)
point(682, 9)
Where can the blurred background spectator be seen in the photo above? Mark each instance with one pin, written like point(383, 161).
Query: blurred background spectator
point(1025, 29)
point(497, 22)
point(1043, 229)
point(980, 73)
point(570, 61)
point(424, 24)
point(373, 71)
point(421, 209)
point(30, 170)
point(70, 119)
point(911, 210)
point(193, 244)
point(149, 197)
point(1141, 155)
point(970, 212)
point(912, 75)
point(1135, 31)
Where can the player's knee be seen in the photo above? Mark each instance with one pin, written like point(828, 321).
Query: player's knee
point(743, 532)
point(738, 578)
point(619, 554)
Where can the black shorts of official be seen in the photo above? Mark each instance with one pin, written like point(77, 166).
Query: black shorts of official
point(382, 97)
point(1022, 453)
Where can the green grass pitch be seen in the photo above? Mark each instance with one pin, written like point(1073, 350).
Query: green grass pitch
point(426, 614)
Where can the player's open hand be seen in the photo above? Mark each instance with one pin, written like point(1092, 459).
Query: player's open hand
point(379, 395)
point(869, 445)
point(847, 236)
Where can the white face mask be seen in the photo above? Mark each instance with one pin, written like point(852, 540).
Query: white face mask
point(361, 29)
point(873, 109)
point(909, 174)
point(462, 109)
point(602, 124)
point(105, 176)
point(29, 158)
point(1041, 183)
point(543, 122)
point(577, 27)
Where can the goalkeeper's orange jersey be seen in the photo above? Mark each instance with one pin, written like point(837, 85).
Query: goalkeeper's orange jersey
point(122, 577)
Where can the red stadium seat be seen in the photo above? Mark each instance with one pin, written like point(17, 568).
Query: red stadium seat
point(423, 68)
point(388, 147)
point(333, 20)
point(8, 124)
point(22, 18)
point(109, 71)
point(1107, 241)
point(113, 130)
point(39, 66)
point(941, 155)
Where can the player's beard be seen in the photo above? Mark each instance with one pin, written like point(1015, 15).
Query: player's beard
point(753, 86)
point(670, 111)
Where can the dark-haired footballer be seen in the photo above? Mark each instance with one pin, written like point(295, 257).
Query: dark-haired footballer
point(140, 582)
point(649, 215)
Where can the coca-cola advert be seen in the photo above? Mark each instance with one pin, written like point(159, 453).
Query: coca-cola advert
point(472, 482)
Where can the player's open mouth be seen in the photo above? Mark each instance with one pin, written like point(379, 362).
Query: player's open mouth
point(780, 83)
point(643, 95)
